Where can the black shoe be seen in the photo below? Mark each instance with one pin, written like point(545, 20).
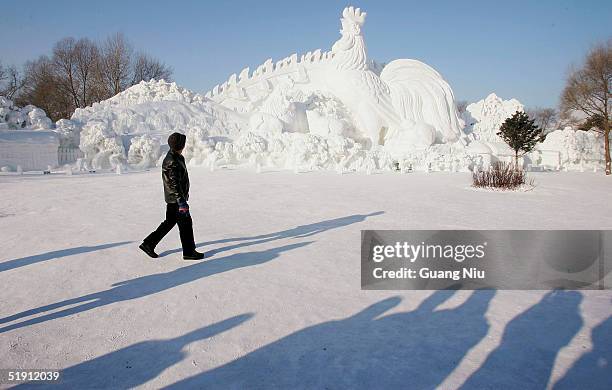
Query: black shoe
point(195, 255)
point(148, 250)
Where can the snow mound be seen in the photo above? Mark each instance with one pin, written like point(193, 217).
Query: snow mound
point(144, 151)
point(28, 117)
point(130, 128)
point(147, 92)
point(102, 147)
point(574, 149)
point(152, 110)
point(69, 133)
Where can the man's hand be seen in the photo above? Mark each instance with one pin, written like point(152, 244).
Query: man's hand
point(183, 206)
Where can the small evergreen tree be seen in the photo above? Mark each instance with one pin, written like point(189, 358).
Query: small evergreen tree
point(521, 134)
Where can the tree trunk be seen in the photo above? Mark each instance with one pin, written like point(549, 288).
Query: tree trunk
point(607, 149)
point(516, 167)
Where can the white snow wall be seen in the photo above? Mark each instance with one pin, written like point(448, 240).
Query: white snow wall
point(28, 149)
point(26, 139)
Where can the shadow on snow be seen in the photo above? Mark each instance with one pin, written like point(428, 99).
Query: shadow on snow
point(146, 285)
point(151, 284)
point(138, 363)
point(296, 232)
point(593, 369)
point(369, 350)
point(24, 261)
point(530, 344)
point(417, 349)
point(374, 350)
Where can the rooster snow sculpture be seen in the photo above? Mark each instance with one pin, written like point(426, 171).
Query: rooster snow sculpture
point(407, 104)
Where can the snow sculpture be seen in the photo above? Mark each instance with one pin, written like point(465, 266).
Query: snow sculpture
point(408, 104)
point(144, 151)
point(27, 141)
point(573, 149)
point(69, 133)
point(334, 109)
point(37, 118)
point(28, 117)
point(103, 149)
point(484, 118)
point(568, 148)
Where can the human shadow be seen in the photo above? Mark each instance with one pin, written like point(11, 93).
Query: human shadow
point(530, 344)
point(296, 232)
point(146, 285)
point(594, 369)
point(369, 350)
point(136, 364)
point(24, 261)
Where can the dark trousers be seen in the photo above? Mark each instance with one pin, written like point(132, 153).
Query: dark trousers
point(185, 225)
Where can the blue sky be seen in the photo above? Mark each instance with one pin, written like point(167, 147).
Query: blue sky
point(520, 49)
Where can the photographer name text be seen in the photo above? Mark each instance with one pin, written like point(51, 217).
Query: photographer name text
point(453, 254)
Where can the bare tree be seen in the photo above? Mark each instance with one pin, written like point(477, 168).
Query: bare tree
point(64, 66)
point(115, 63)
point(146, 68)
point(589, 90)
point(79, 73)
point(41, 89)
point(86, 57)
point(65, 81)
point(11, 81)
point(3, 78)
point(568, 119)
point(544, 117)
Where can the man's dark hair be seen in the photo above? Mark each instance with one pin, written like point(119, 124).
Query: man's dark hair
point(176, 141)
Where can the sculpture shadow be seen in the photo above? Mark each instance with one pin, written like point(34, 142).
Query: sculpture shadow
point(530, 344)
point(24, 261)
point(369, 350)
point(151, 284)
point(146, 285)
point(593, 369)
point(296, 232)
point(138, 363)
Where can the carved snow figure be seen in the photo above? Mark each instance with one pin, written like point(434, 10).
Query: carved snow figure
point(409, 100)
point(408, 105)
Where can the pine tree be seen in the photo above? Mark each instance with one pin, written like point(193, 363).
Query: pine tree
point(521, 134)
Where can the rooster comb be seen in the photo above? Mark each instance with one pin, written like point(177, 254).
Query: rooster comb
point(354, 14)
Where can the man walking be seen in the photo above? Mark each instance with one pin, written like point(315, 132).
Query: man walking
point(176, 194)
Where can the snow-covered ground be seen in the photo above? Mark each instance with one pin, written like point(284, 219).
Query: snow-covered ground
point(279, 302)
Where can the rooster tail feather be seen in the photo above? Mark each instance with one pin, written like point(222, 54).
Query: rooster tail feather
point(420, 94)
